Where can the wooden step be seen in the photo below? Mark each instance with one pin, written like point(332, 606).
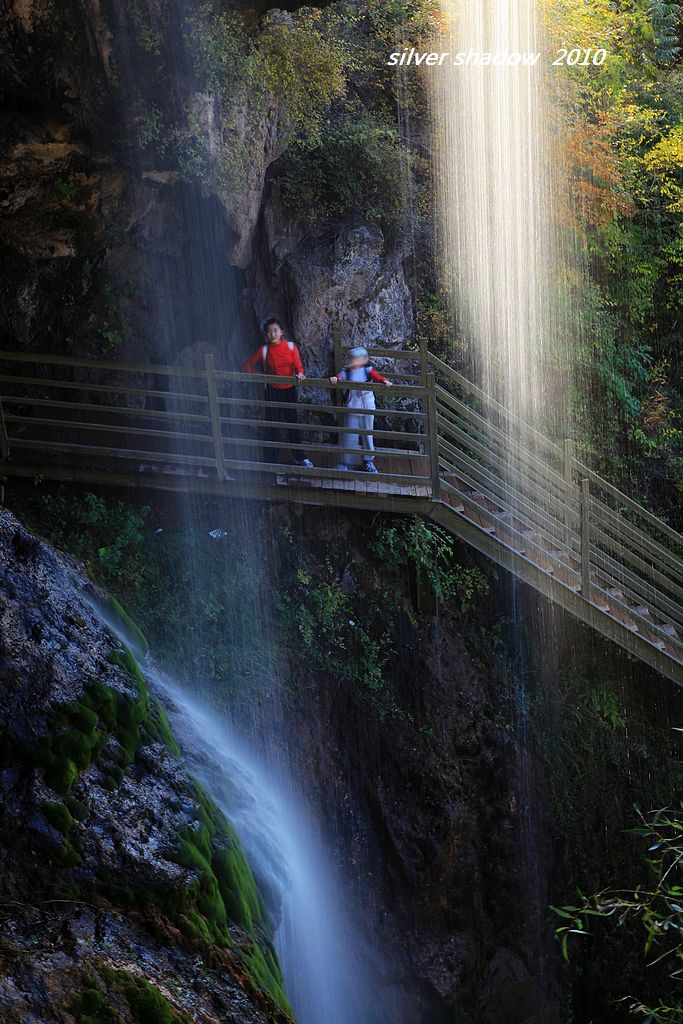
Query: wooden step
point(673, 652)
point(624, 618)
point(485, 502)
point(652, 638)
point(480, 520)
point(454, 480)
point(568, 559)
point(539, 559)
point(542, 542)
point(454, 502)
point(569, 578)
point(670, 630)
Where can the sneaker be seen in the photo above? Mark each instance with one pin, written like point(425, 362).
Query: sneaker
point(369, 467)
point(306, 463)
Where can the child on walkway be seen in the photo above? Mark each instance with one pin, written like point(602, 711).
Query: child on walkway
point(280, 358)
point(361, 406)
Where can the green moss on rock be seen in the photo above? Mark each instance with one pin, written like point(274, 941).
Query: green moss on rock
point(265, 971)
point(67, 856)
point(77, 808)
point(159, 727)
point(79, 729)
point(146, 1004)
point(59, 816)
point(218, 906)
point(90, 1006)
point(132, 633)
point(222, 901)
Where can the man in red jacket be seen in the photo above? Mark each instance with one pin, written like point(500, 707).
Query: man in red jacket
point(280, 358)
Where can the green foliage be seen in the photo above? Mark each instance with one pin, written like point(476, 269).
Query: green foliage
point(603, 754)
point(620, 126)
point(328, 626)
point(655, 907)
point(598, 738)
point(64, 190)
point(327, 630)
point(113, 324)
point(258, 78)
point(354, 165)
point(429, 550)
point(433, 323)
point(666, 19)
point(153, 576)
point(348, 620)
point(111, 537)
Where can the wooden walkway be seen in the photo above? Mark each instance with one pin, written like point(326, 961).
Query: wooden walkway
point(444, 450)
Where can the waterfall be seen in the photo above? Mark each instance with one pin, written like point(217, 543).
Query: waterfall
point(195, 303)
point(495, 181)
point(330, 971)
point(507, 265)
point(319, 947)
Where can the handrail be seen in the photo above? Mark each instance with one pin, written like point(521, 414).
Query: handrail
point(541, 502)
point(629, 503)
point(100, 364)
point(491, 402)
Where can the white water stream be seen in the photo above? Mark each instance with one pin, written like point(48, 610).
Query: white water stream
point(319, 947)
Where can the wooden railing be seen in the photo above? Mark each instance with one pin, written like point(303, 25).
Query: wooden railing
point(199, 419)
point(545, 502)
point(438, 437)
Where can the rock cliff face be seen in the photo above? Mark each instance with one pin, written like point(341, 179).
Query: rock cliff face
point(112, 245)
point(121, 237)
point(348, 280)
point(124, 889)
point(435, 806)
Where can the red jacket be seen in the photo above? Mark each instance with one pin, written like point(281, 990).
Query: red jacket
point(282, 360)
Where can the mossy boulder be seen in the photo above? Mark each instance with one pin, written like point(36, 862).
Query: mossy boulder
point(96, 802)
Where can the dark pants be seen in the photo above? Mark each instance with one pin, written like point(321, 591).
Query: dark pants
point(276, 415)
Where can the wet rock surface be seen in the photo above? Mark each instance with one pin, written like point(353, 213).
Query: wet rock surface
point(94, 808)
point(434, 808)
point(95, 224)
point(351, 281)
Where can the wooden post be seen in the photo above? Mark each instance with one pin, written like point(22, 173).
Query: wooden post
point(423, 361)
point(569, 480)
point(4, 440)
point(337, 358)
point(337, 354)
point(433, 436)
point(215, 415)
point(585, 539)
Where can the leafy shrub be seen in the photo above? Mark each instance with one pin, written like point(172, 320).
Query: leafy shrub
point(655, 907)
point(429, 550)
point(174, 584)
point(354, 166)
point(328, 629)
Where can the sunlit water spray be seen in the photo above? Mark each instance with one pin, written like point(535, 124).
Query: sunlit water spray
point(494, 188)
point(498, 176)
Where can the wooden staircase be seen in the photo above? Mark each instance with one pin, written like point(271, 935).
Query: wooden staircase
point(445, 450)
